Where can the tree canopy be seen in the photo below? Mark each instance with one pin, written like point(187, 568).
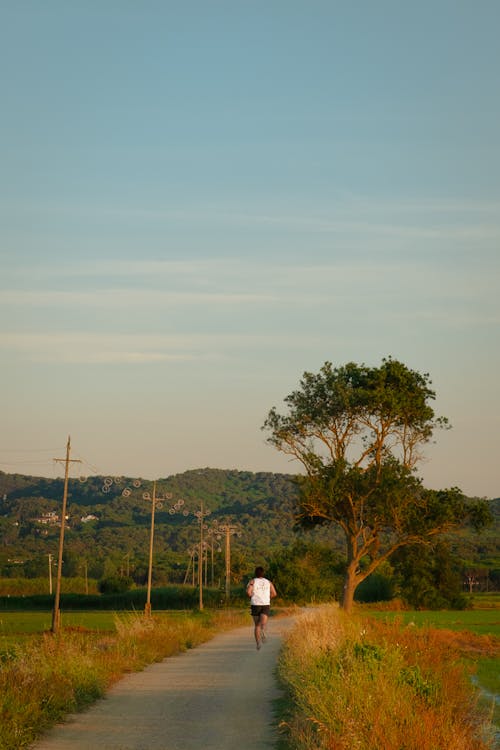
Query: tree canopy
point(359, 433)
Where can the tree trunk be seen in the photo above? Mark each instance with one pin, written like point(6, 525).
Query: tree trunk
point(350, 584)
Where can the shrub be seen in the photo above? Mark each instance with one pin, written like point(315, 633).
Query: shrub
point(307, 572)
point(114, 585)
point(375, 588)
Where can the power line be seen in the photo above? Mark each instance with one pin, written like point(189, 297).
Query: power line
point(48, 462)
point(27, 462)
point(27, 450)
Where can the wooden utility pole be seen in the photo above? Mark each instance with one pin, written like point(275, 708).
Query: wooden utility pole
point(229, 529)
point(56, 614)
point(200, 559)
point(200, 515)
point(86, 577)
point(147, 608)
point(228, 563)
point(50, 573)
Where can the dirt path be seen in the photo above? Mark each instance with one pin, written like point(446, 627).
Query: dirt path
point(217, 696)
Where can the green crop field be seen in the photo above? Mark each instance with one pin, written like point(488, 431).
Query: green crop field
point(18, 627)
point(481, 621)
point(17, 623)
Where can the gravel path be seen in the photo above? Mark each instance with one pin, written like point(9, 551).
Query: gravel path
point(217, 696)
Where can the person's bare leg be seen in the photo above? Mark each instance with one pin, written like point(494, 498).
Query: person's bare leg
point(256, 632)
point(263, 622)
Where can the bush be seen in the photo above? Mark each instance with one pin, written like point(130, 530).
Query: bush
point(114, 585)
point(375, 588)
point(306, 573)
point(429, 578)
point(169, 597)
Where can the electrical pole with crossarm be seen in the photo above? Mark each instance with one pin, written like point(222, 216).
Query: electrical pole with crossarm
point(229, 529)
point(56, 614)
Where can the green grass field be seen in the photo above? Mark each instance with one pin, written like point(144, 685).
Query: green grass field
point(480, 621)
point(16, 623)
point(484, 621)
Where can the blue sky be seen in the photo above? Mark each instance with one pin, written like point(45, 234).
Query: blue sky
point(201, 201)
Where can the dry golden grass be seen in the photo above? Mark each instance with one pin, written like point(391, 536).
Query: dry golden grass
point(365, 685)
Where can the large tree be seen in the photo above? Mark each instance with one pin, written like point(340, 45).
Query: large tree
point(358, 432)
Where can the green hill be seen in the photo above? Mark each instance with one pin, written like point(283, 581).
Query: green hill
point(108, 524)
point(108, 521)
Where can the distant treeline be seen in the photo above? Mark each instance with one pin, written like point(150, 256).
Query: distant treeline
point(108, 530)
point(169, 597)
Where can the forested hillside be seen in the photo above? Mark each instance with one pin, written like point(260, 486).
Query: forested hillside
point(108, 524)
point(108, 521)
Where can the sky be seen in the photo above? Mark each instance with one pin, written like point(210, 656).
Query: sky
point(200, 201)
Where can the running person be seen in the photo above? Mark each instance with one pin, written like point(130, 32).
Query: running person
point(261, 591)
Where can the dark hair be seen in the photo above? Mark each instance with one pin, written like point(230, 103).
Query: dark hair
point(259, 572)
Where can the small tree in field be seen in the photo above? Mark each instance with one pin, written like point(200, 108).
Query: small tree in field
point(358, 432)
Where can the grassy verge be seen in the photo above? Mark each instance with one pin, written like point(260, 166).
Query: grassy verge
point(475, 632)
point(362, 683)
point(45, 677)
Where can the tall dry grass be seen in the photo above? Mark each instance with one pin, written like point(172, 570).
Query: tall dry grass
point(365, 685)
point(51, 676)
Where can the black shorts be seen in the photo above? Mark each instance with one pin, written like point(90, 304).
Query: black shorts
point(259, 609)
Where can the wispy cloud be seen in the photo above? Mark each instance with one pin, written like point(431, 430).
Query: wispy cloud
point(96, 348)
point(343, 203)
point(106, 348)
point(243, 285)
point(125, 298)
point(347, 214)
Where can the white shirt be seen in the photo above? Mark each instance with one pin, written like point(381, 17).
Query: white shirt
point(261, 594)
